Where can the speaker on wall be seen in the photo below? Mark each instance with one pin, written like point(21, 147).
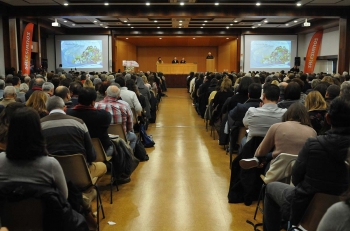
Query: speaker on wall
point(297, 61)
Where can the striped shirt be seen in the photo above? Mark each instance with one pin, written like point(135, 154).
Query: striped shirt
point(120, 111)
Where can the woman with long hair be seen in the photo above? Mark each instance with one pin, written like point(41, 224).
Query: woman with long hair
point(37, 101)
point(317, 109)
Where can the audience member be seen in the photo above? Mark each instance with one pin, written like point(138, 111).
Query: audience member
point(317, 109)
point(37, 101)
point(74, 89)
point(10, 96)
point(291, 95)
point(37, 86)
point(332, 92)
point(48, 88)
point(129, 96)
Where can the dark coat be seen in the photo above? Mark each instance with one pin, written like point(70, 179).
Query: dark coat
point(58, 214)
point(319, 168)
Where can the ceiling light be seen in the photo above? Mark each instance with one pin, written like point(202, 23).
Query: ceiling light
point(125, 21)
point(180, 24)
point(253, 27)
point(181, 3)
point(194, 38)
point(259, 24)
point(203, 24)
point(205, 21)
point(101, 24)
point(73, 24)
point(155, 21)
point(295, 21)
point(128, 24)
point(180, 21)
point(147, 3)
point(126, 38)
point(235, 21)
point(287, 24)
point(298, 4)
point(266, 21)
point(227, 27)
point(158, 27)
point(231, 24)
point(55, 24)
point(258, 4)
point(216, 3)
point(106, 3)
point(95, 21)
point(227, 38)
point(132, 27)
point(106, 27)
point(160, 38)
point(66, 4)
point(201, 27)
point(65, 21)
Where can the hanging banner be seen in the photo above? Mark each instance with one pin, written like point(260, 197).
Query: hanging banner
point(312, 52)
point(27, 48)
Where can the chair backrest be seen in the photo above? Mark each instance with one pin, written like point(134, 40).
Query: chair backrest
point(22, 215)
point(281, 168)
point(241, 134)
point(316, 209)
point(75, 169)
point(117, 129)
point(100, 152)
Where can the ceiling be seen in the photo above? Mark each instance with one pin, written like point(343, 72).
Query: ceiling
point(146, 16)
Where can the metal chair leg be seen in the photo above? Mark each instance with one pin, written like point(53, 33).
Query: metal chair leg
point(261, 198)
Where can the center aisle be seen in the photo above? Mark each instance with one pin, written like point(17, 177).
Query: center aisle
point(184, 185)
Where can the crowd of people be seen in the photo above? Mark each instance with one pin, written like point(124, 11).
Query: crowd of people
point(58, 114)
point(306, 115)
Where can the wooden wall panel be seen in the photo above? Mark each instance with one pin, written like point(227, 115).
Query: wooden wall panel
point(147, 56)
point(124, 51)
point(228, 57)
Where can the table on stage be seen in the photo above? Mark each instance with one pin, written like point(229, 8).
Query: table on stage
point(176, 74)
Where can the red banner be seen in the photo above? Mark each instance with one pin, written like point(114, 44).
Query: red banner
point(312, 52)
point(27, 48)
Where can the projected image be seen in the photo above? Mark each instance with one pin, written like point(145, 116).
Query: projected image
point(270, 54)
point(81, 53)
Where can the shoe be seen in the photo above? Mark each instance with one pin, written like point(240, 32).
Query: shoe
point(88, 196)
point(249, 163)
point(123, 180)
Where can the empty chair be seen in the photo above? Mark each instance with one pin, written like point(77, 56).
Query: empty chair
point(117, 129)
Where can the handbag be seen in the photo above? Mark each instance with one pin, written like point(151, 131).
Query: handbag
point(140, 152)
point(147, 140)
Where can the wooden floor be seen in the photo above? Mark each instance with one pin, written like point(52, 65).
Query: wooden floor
point(184, 185)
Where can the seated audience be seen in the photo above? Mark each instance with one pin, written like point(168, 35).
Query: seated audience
point(319, 168)
point(332, 92)
point(291, 95)
point(37, 101)
point(129, 96)
point(63, 93)
point(317, 109)
point(48, 88)
point(37, 86)
point(74, 89)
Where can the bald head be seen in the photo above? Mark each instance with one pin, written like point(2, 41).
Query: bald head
point(63, 92)
point(113, 91)
point(39, 82)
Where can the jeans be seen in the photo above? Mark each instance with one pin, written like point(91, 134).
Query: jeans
point(130, 136)
point(274, 198)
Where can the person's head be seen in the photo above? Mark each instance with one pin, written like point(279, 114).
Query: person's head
point(2, 84)
point(10, 92)
point(113, 92)
point(130, 84)
point(292, 91)
point(226, 84)
point(65, 82)
point(254, 91)
point(88, 83)
point(271, 93)
point(25, 127)
point(339, 112)
point(175, 58)
point(55, 102)
point(209, 53)
point(315, 101)
point(328, 79)
point(314, 83)
point(332, 91)
point(322, 88)
point(7, 113)
point(345, 88)
point(37, 101)
point(48, 88)
point(297, 112)
point(38, 82)
point(16, 81)
point(60, 65)
point(23, 87)
point(183, 59)
point(75, 88)
point(63, 93)
point(87, 96)
point(243, 86)
point(159, 58)
point(121, 81)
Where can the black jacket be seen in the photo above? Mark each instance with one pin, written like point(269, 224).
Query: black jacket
point(58, 214)
point(319, 168)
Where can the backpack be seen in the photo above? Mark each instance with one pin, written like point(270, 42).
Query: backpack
point(140, 151)
point(146, 140)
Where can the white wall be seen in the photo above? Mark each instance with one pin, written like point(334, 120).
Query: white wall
point(50, 43)
point(2, 54)
point(329, 46)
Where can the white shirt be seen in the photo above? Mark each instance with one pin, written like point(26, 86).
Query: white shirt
point(131, 98)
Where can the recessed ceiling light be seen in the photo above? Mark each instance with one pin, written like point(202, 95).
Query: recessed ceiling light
point(125, 21)
point(266, 21)
point(205, 21)
point(295, 21)
point(128, 24)
point(227, 27)
point(194, 38)
point(259, 24)
point(73, 24)
point(231, 24)
point(216, 3)
point(235, 21)
point(253, 27)
point(158, 27)
point(155, 21)
point(132, 27)
point(287, 24)
point(201, 27)
point(106, 27)
point(227, 38)
point(101, 24)
point(106, 3)
point(95, 21)
point(160, 38)
point(126, 38)
point(258, 4)
point(66, 4)
point(65, 21)
point(298, 4)
point(181, 3)
point(203, 24)
point(147, 3)
point(180, 21)
point(180, 24)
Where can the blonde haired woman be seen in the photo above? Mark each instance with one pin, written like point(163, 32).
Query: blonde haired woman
point(316, 107)
point(37, 101)
point(88, 83)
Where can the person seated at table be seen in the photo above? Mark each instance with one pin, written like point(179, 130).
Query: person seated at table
point(210, 56)
point(183, 60)
point(159, 61)
point(175, 60)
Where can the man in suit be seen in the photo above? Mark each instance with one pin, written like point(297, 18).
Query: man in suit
point(175, 60)
point(159, 61)
point(210, 56)
point(183, 60)
point(59, 69)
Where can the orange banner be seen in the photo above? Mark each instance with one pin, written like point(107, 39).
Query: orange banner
point(312, 52)
point(27, 48)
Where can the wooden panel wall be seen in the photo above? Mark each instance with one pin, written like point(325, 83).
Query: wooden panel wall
point(227, 55)
point(124, 51)
point(147, 56)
